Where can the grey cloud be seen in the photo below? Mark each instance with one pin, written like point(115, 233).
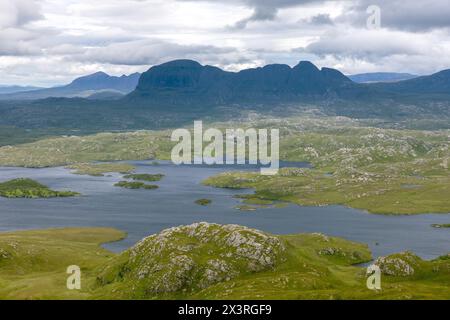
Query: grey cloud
point(421, 15)
point(259, 14)
point(366, 45)
point(18, 42)
point(319, 20)
point(15, 38)
point(17, 13)
point(263, 10)
point(154, 51)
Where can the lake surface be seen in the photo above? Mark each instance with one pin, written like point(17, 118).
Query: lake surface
point(145, 212)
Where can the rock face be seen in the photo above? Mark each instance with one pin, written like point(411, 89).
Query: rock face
point(399, 265)
point(194, 257)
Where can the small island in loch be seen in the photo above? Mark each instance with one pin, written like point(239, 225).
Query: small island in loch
point(100, 169)
point(27, 188)
point(203, 202)
point(135, 185)
point(145, 177)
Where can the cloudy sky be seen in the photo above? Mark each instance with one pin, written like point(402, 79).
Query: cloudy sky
point(50, 42)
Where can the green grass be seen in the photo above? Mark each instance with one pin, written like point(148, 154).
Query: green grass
point(27, 188)
point(33, 264)
point(135, 185)
point(174, 265)
point(145, 177)
point(99, 169)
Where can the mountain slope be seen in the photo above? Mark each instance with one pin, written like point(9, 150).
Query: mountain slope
point(438, 83)
point(81, 87)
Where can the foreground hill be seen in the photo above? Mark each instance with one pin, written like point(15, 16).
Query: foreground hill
point(86, 86)
point(208, 261)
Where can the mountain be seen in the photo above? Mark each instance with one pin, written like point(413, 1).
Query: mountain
point(381, 77)
point(102, 81)
point(5, 89)
point(438, 83)
point(183, 82)
point(81, 87)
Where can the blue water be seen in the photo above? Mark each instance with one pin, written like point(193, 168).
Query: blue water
point(144, 212)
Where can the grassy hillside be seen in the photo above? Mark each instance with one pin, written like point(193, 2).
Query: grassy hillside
point(33, 264)
point(208, 261)
point(61, 151)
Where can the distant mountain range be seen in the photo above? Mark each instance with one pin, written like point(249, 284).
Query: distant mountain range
point(184, 82)
point(4, 89)
point(187, 82)
point(178, 92)
point(381, 77)
point(98, 85)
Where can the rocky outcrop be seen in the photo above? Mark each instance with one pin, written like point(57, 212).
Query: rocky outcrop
point(194, 257)
point(399, 265)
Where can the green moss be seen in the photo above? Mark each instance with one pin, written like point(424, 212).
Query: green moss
point(27, 188)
